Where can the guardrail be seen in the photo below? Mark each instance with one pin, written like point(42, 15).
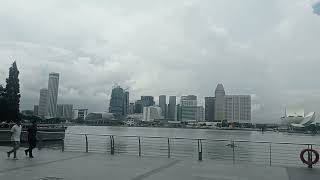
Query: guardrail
point(233, 151)
point(229, 151)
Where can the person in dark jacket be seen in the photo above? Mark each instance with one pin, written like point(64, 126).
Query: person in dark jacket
point(32, 139)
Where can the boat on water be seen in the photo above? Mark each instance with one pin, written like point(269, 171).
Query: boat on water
point(46, 132)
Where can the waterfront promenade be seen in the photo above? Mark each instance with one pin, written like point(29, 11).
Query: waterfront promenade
point(56, 165)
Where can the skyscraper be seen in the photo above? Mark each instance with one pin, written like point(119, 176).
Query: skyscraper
point(126, 103)
point(200, 114)
point(117, 101)
point(219, 109)
point(172, 108)
point(163, 105)
point(147, 101)
point(188, 107)
point(209, 109)
point(43, 102)
point(138, 107)
point(238, 108)
point(53, 87)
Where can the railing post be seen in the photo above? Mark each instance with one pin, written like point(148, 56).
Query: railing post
point(112, 145)
point(87, 147)
point(169, 148)
point(139, 146)
point(270, 154)
point(310, 157)
point(62, 145)
point(233, 153)
point(199, 150)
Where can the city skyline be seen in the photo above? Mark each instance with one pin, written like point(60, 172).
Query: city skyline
point(168, 47)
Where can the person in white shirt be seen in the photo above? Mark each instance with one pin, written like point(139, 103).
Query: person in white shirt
point(15, 139)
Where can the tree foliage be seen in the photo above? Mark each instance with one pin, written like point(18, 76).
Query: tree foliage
point(10, 96)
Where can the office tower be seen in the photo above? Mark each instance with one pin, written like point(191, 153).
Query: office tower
point(209, 109)
point(131, 108)
point(200, 114)
point(43, 102)
point(126, 103)
point(163, 105)
point(138, 107)
point(188, 108)
point(35, 110)
point(119, 102)
point(178, 112)
point(238, 108)
point(172, 108)
point(53, 87)
point(147, 101)
point(219, 107)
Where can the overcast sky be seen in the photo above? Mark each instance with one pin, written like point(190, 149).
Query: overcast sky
point(267, 49)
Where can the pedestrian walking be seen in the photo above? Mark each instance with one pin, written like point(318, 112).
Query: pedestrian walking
point(15, 139)
point(32, 139)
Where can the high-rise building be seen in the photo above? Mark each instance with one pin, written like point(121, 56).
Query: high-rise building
point(209, 109)
point(188, 108)
point(151, 113)
point(178, 112)
point(219, 107)
point(131, 108)
point(238, 108)
point(53, 88)
point(138, 107)
point(200, 114)
point(172, 113)
point(119, 102)
point(163, 105)
point(126, 103)
point(35, 110)
point(43, 102)
point(64, 111)
point(147, 101)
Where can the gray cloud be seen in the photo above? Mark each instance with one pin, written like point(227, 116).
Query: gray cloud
point(265, 48)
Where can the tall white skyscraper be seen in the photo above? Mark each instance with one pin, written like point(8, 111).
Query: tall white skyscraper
point(43, 102)
point(53, 87)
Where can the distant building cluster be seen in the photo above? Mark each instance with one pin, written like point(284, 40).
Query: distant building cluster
point(221, 107)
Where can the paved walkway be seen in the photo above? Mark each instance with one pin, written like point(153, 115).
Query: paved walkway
point(55, 165)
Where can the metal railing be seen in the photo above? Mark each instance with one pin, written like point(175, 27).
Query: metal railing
point(228, 151)
point(231, 151)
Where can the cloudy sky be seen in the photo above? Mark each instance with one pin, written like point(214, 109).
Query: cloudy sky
point(268, 49)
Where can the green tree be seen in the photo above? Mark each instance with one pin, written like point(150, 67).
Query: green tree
point(3, 104)
point(12, 94)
